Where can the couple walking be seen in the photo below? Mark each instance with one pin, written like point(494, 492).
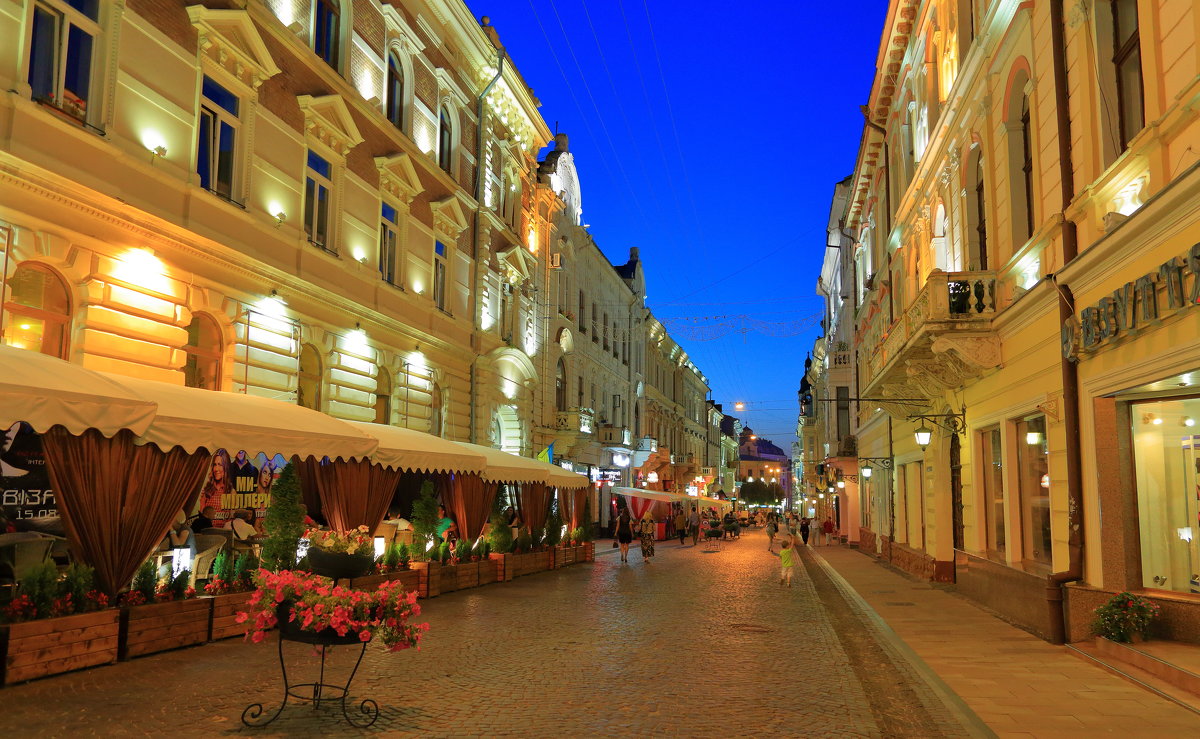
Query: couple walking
point(625, 532)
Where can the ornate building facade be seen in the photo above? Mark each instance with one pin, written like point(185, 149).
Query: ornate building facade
point(1023, 285)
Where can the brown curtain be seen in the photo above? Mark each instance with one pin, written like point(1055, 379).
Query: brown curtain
point(535, 505)
point(579, 496)
point(117, 499)
point(308, 488)
point(352, 494)
point(469, 500)
point(566, 507)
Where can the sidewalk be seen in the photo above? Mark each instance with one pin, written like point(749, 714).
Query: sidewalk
point(1018, 684)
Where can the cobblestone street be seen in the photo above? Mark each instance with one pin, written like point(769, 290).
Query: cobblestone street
point(693, 643)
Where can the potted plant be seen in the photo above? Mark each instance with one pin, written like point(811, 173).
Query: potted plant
point(340, 554)
point(313, 609)
point(392, 565)
point(500, 544)
point(284, 522)
point(230, 590)
point(1125, 617)
point(159, 615)
point(56, 625)
point(553, 537)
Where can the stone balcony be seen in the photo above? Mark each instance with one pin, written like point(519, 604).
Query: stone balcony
point(943, 339)
point(615, 436)
point(572, 426)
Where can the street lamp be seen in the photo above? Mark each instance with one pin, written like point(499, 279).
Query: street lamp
point(953, 422)
point(866, 471)
point(924, 435)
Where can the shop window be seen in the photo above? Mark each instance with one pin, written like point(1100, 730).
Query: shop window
point(38, 311)
point(216, 149)
point(1127, 63)
point(308, 388)
point(202, 367)
point(992, 463)
point(395, 92)
point(327, 32)
point(1033, 476)
point(317, 188)
point(383, 397)
point(389, 236)
point(445, 154)
point(62, 48)
point(1166, 448)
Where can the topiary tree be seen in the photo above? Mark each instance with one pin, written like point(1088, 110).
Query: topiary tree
point(424, 518)
point(145, 581)
point(284, 522)
point(499, 534)
point(554, 527)
point(524, 542)
point(585, 526)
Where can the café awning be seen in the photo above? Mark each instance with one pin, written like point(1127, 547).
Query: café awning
point(652, 494)
point(417, 451)
point(505, 467)
point(566, 480)
point(192, 418)
point(45, 391)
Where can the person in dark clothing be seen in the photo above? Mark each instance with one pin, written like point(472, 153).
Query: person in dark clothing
point(204, 520)
point(804, 527)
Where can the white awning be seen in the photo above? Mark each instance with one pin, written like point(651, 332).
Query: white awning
point(192, 418)
point(711, 502)
point(653, 494)
point(566, 480)
point(505, 467)
point(417, 451)
point(44, 391)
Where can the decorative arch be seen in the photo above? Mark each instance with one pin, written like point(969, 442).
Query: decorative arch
point(383, 396)
point(38, 310)
point(203, 353)
point(565, 340)
point(311, 374)
point(506, 433)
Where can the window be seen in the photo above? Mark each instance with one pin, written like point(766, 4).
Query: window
point(579, 394)
point(604, 329)
point(61, 48)
point(977, 216)
point(1166, 449)
point(993, 490)
point(388, 236)
point(327, 32)
point(202, 367)
point(383, 397)
point(582, 324)
point(317, 187)
point(439, 275)
point(395, 92)
point(596, 329)
point(308, 386)
point(445, 141)
point(39, 311)
point(615, 350)
point(436, 411)
point(560, 386)
point(1033, 474)
point(1026, 171)
point(1127, 58)
point(216, 149)
point(843, 412)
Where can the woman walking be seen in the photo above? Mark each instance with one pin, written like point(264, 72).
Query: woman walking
point(681, 527)
point(647, 541)
point(772, 527)
point(624, 533)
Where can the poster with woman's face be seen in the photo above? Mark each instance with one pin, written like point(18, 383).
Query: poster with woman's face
point(240, 481)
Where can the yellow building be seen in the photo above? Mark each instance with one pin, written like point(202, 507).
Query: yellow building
point(1024, 212)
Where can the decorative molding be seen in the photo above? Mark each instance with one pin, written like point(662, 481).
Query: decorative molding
point(979, 350)
point(327, 120)
point(449, 219)
point(229, 40)
point(398, 177)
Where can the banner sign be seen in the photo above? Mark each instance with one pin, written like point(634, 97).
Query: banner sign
point(25, 489)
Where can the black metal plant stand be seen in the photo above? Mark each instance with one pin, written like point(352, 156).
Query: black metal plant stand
point(319, 691)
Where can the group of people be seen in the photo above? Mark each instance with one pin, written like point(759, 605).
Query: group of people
point(794, 526)
point(626, 528)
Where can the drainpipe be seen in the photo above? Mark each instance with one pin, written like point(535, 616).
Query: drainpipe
point(891, 494)
point(479, 159)
point(1056, 605)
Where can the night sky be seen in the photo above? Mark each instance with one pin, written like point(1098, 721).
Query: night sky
point(710, 136)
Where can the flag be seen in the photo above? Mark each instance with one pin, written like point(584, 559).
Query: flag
point(547, 454)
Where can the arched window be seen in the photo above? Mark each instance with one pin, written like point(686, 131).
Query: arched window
point(1026, 177)
point(383, 397)
point(202, 368)
point(435, 411)
point(327, 31)
point(560, 386)
point(308, 389)
point(395, 92)
point(38, 310)
point(976, 213)
point(445, 141)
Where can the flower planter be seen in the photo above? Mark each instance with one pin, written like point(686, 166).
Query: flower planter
point(54, 645)
point(410, 578)
point(157, 627)
point(290, 630)
point(566, 556)
point(372, 582)
point(225, 609)
point(503, 564)
point(468, 575)
point(487, 571)
point(448, 578)
point(337, 565)
point(429, 578)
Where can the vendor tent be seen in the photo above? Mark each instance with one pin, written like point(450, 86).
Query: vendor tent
point(641, 501)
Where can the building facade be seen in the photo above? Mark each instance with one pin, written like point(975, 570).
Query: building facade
point(338, 204)
point(1024, 287)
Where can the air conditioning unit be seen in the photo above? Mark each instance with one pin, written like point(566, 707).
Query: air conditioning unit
point(556, 261)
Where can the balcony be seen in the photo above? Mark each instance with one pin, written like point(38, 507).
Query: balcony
point(572, 426)
point(618, 436)
point(942, 340)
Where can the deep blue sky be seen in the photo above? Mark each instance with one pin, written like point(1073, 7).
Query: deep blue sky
point(709, 135)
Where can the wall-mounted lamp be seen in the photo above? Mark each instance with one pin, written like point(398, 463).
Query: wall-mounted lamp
point(280, 217)
point(156, 152)
point(953, 422)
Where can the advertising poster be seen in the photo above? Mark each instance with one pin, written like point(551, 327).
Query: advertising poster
point(240, 481)
point(25, 490)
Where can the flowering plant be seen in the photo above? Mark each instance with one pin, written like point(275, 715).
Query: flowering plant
point(317, 604)
point(232, 575)
point(43, 593)
point(1124, 615)
point(358, 541)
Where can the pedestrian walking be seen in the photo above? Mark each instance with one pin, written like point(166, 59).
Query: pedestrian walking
point(804, 528)
point(681, 526)
point(647, 540)
point(786, 554)
point(827, 529)
point(772, 527)
point(694, 526)
point(624, 533)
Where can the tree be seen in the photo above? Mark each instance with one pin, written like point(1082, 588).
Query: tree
point(756, 493)
point(424, 515)
point(774, 492)
point(284, 522)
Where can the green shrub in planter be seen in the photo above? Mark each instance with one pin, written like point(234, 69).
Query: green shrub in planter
point(145, 581)
point(425, 519)
point(222, 567)
point(524, 542)
point(176, 587)
point(500, 538)
point(40, 586)
point(244, 568)
point(403, 553)
point(1124, 615)
point(444, 552)
point(284, 522)
point(554, 527)
point(390, 559)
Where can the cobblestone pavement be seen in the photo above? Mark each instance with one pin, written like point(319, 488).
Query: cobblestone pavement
point(692, 643)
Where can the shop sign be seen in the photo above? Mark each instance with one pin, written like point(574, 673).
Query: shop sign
point(24, 480)
point(1134, 306)
point(609, 475)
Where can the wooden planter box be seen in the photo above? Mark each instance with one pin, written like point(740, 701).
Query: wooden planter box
point(55, 645)
point(157, 627)
point(504, 566)
point(449, 578)
point(429, 578)
point(487, 571)
point(590, 549)
point(410, 578)
point(225, 609)
point(566, 556)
